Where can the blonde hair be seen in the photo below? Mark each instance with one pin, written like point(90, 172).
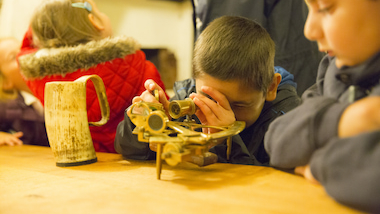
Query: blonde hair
point(57, 23)
point(6, 94)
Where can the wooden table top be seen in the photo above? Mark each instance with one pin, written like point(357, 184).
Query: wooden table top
point(30, 182)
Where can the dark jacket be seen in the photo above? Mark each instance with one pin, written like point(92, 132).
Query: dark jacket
point(284, 21)
point(16, 116)
point(348, 168)
point(247, 147)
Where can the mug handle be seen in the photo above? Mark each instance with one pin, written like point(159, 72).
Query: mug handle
point(102, 97)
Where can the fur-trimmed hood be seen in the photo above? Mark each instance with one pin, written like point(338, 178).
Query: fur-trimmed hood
point(64, 60)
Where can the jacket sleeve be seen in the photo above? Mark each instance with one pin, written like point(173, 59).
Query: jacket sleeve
point(292, 138)
point(239, 153)
point(349, 170)
point(127, 144)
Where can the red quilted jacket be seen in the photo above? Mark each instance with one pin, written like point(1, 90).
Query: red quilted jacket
point(122, 67)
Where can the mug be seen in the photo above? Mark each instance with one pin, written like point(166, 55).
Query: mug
point(66, 120)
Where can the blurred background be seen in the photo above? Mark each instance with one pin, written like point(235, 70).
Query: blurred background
point(164, 29)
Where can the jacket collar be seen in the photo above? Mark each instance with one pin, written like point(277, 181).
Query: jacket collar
point(364, 75)
point(64, 60)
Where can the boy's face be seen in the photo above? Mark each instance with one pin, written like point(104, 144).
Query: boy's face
point(347, 29)
point(246, 104)
point(9, 49)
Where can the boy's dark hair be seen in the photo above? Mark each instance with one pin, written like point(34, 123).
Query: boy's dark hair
point(236, 48)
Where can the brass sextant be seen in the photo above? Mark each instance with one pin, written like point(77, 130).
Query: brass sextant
point(177, 141)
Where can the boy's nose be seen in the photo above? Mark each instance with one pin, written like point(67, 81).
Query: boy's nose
point(312, 29)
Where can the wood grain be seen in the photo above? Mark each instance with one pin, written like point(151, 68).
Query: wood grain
point(30, 182)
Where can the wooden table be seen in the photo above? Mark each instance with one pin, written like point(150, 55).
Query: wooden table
point(30, 182)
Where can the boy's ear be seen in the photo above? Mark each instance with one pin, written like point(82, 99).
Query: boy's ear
point(272, 89)
point(95, 22)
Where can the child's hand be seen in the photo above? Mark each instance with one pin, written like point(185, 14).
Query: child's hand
point(306, 172)
point(10, 139)
point(215, 111)
point(361, 116)
point(148, 96)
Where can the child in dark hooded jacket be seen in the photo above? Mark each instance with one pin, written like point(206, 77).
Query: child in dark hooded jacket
point(234, 80)
point(333, 137)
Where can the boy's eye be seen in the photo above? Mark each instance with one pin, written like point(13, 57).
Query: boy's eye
point(324, 10)
point(325, 6)
point(321, 6)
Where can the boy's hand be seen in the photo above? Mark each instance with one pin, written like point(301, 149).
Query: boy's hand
point(215, 111)
point(148, 96)
point(361, 116)
point(306, 172)
point(10, 139)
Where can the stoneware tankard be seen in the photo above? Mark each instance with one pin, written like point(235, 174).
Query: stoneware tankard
point(66, 120)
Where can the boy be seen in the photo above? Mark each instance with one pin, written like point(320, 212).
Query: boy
point(327, 139)
point(233, 69)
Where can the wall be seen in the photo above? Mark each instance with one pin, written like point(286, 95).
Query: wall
point(15, 15)
point(154, 23)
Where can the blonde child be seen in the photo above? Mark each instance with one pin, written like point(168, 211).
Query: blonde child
point(333, 138)
point(21, 114)
point(69, 39)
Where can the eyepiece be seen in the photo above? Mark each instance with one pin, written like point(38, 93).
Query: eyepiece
point(179, 108)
